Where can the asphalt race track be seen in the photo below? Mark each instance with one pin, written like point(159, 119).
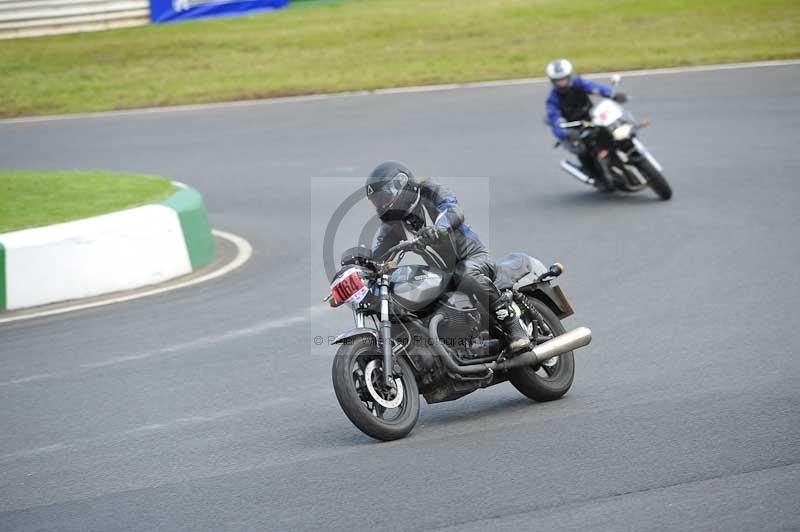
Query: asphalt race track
point(210, 408)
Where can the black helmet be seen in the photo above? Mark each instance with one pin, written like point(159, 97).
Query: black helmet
point(391, 189)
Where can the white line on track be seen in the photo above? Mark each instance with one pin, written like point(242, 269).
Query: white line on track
point(31, 378)
point(205, 341)
point(197, 343)
point(243, 253)
point(182, 422)
point(398, 90)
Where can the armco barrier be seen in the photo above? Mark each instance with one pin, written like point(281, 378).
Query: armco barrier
point(31, 18)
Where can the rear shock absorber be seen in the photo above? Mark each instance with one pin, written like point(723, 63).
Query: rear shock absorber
point(527, 308)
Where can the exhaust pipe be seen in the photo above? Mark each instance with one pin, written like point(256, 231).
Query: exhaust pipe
point(576, 172)
point(559, 345)
point(574, 339)
point(483, 370)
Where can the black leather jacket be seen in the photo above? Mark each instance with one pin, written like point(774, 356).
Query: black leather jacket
point(434, 204)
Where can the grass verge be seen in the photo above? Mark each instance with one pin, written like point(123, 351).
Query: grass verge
point(33, 199)
point(366, 44)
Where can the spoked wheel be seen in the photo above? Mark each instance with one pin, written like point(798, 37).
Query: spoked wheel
point(553, 378)
point(384, 413)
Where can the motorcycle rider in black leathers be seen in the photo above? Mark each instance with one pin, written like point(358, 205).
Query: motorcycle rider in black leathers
point(569, 101)
point(408, 207)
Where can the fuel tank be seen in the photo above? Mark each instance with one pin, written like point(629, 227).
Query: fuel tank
point(415, 287)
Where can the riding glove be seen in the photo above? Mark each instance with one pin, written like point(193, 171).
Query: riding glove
point(432, 233)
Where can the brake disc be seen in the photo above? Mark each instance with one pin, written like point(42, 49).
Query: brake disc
point(376, 395)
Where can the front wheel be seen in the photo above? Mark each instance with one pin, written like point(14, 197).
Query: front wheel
point(656, 180)
point(384, 414)
point(553, 378)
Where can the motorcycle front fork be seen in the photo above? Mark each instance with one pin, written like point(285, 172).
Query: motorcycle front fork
point(384, 329)
point(386, 333)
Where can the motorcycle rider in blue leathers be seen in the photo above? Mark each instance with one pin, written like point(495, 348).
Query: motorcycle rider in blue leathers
point(569, 101)
point(408, 207)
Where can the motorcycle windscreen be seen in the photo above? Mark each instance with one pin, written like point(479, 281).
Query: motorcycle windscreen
point(416, 287)
point(606, 112)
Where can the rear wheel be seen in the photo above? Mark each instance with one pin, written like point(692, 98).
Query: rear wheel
point(553, 378)
point(656, 180)
point(380, 412)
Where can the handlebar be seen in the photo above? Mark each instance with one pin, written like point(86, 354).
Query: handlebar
point(382, 264)
point(405, 245)
point(574, 123)
point(583, 124)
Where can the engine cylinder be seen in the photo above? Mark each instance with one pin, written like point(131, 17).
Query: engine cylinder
point(460, 314)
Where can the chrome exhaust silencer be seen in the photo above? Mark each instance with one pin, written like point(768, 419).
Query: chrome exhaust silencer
point(576, 172)
point(574, 339)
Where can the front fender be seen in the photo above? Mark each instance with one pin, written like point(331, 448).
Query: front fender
point(355, 333)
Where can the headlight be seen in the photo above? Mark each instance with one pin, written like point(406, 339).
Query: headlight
point(623, 132)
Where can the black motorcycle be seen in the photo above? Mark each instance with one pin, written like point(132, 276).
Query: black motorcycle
point(424, 338)
point(620, 160)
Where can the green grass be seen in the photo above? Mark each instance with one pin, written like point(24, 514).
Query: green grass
point(33, 199)
point(365, 44)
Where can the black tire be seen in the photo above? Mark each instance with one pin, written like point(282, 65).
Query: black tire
point(545, 383)
point(656, 180)
point(355, 355)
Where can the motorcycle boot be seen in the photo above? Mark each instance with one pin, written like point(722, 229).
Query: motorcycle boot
point(592, 167)
point(508, 319)
point(606, 182)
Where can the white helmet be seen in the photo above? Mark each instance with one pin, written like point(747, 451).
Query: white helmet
point(559, 69)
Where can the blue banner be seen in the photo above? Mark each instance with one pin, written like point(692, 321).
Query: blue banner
point(175, 10)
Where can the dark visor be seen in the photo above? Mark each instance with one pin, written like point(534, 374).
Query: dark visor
point(386, 196)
